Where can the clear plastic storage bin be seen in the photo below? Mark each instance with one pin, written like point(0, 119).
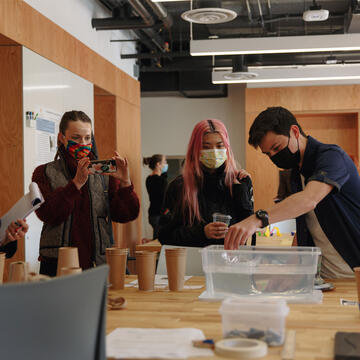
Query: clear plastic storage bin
point(254, 319)
point(276, 272)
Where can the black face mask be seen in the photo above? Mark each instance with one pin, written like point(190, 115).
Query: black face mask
point(285, 159)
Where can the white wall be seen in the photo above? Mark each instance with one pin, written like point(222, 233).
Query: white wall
point(75, 16)
point(79, 95)
point(167, 123)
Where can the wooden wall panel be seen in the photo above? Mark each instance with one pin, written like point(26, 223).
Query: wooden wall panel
point(11, 133)
point(340, 129)
point(105, 133)
point(105, 125)
point(328, 113)
point(129, 145)
point(305, 99)
point(23, 24)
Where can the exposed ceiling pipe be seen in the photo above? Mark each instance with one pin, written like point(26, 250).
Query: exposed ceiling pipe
point(249, 11)
point(269, 8)
point(142, 27)
point(161, 13)
point(117, 23)
point(260, 13)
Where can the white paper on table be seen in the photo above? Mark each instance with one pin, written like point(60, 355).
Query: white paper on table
point(23, 208)
point(137, 343)
point(160, 280)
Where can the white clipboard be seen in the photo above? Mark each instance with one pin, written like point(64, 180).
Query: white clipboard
point(23, 208)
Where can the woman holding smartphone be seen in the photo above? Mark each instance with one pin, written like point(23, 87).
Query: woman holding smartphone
point(79, 207)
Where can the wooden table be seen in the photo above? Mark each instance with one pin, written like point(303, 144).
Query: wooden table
point(150, 246)
point(315, 325)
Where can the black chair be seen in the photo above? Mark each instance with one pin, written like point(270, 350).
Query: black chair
point(63, 318)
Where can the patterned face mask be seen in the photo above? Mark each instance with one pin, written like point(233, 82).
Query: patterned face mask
point(213, 158)
point(78, 151)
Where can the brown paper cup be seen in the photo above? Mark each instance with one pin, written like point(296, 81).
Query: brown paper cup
point(70, 271)
point(2, 266)
point(68, 257)
point(18, 271)
point(175, 265)
point(145, 267)
point(117, 263)
point(357, 277)
point(115, 250)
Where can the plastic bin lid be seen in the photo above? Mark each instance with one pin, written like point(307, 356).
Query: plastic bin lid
point(233, 305)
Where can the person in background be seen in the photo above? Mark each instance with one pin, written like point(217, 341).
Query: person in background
point(15, 232)
point(210, 183)
point(326, 193)
point(156, 184)
point(79, 207)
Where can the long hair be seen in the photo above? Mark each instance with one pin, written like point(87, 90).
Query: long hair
point(73, 115)
point(193, 174)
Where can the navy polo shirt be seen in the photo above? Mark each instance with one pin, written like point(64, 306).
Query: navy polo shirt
point(339, 212)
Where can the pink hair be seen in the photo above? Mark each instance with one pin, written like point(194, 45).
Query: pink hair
point(192, 173)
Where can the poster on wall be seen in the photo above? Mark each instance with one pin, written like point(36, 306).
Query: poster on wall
point(47, 127)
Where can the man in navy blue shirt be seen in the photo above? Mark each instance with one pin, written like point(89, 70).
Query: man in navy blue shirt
point(326, 193)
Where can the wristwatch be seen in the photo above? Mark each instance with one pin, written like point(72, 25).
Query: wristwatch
point(263, 216)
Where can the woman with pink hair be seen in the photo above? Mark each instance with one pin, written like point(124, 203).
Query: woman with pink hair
point(210, 183)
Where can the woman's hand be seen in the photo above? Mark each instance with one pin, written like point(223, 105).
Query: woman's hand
point(243, 174)
point(82, 173)
point(122, 170)
point(215, 230)
point(16, 231)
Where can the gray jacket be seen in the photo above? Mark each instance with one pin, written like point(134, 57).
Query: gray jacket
point(53, 237)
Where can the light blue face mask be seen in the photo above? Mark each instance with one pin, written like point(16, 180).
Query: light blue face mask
point(165, 168)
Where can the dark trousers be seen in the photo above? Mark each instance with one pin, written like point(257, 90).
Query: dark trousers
point(154, 222)
point(48, 268)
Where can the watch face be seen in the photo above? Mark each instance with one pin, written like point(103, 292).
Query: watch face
point(263, 216)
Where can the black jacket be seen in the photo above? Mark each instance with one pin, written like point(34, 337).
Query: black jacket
point(214, 196)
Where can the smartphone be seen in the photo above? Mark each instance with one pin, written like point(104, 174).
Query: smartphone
point(102, 166)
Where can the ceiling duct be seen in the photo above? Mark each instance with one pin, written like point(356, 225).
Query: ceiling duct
point(120, 22)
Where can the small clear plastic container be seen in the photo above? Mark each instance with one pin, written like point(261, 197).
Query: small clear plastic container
point(254, 271)
point(217, 217)
point(254, 319)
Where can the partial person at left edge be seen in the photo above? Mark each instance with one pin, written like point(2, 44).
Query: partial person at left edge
point(79, 207)
point(15, 232)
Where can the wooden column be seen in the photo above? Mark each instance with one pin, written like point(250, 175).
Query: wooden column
point(11, 133)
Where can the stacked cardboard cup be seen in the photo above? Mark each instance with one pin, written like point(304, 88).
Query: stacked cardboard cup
point(175, 265)
point(70, 271)
point(357, 276)
point(116, 258)
point(67, 257)
point(2, 266)
point(145, 267)
point(18, 271)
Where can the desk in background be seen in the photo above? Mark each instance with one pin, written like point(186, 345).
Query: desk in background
point(315, 324)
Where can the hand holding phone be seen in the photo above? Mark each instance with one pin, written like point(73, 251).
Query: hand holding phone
point(102, 166)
